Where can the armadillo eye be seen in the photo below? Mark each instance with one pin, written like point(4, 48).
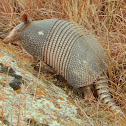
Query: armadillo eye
point(17, 31)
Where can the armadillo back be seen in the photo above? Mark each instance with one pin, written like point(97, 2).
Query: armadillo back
point(34, 36)
point(68, 48)
point(74, 53)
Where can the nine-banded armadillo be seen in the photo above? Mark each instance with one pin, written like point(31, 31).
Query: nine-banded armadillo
point(69, 49)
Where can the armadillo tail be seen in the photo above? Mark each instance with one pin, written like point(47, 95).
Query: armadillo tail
point(104, 95)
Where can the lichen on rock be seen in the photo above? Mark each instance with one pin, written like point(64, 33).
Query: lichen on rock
point(25, 96)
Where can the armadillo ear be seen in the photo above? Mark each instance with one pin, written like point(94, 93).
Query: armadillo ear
point(25, 19)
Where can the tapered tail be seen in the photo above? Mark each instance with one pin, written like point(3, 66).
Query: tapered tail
point(104, 95)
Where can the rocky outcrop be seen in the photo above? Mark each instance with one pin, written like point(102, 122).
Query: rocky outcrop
point(28, 98)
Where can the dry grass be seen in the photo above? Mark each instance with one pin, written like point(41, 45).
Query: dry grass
point(106, 19)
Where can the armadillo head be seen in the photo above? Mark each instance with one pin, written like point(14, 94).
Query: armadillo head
point(13, 36)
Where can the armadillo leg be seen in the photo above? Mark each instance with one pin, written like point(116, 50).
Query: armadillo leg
point(104, 95)
point(34, 63)
point(42, 66)
point(88, 95)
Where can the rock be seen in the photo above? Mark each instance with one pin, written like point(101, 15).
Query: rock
point(27, 99)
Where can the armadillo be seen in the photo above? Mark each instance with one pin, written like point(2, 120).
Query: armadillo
point(68, 48)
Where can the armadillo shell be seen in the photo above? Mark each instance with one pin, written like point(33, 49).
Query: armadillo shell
point(68, 48)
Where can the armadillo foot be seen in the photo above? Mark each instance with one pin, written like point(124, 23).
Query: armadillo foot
point(34, 63)
point(42, 66)
point(89, 97)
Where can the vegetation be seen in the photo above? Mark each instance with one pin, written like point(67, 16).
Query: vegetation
point(106, 19)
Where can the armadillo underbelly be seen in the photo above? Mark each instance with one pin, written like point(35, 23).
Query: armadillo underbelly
point(68, 48)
